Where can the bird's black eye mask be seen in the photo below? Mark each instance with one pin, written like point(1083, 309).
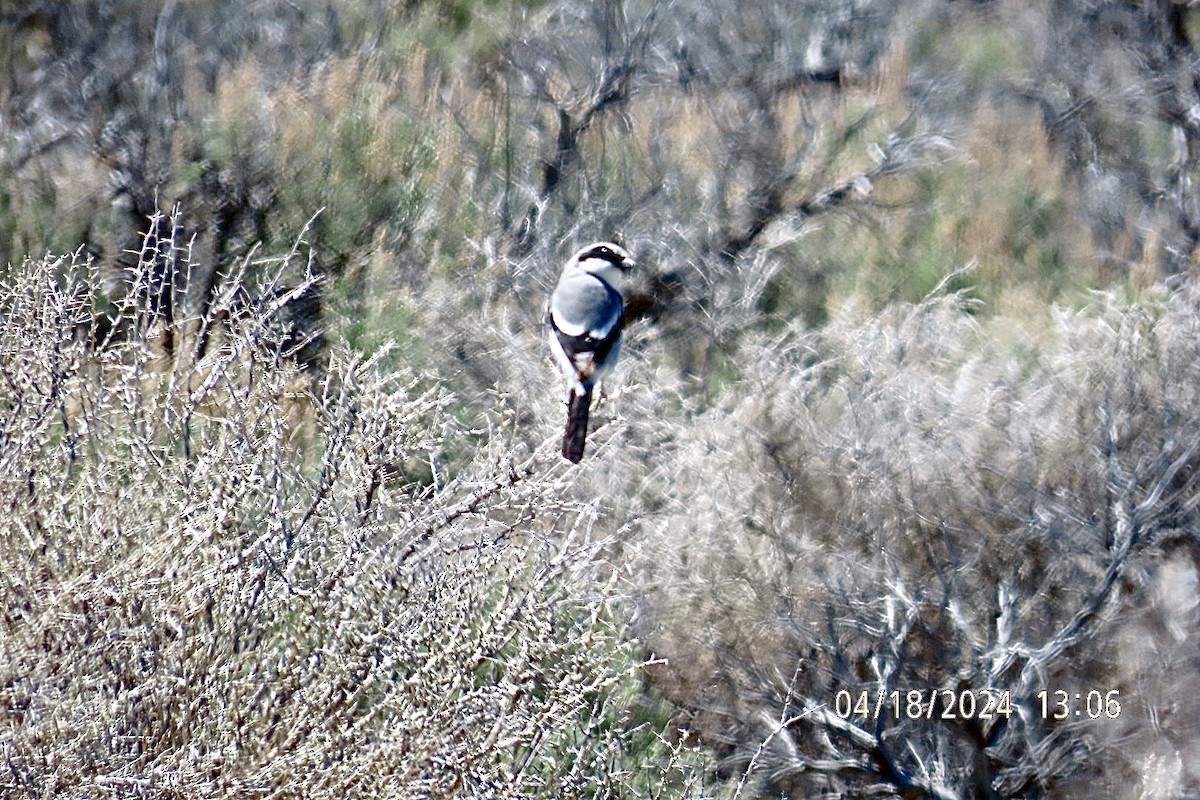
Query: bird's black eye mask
point(607, 254)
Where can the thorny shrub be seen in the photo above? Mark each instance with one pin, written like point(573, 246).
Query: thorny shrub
point(226, 577)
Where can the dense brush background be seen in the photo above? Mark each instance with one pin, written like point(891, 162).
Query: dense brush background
point(909, 398)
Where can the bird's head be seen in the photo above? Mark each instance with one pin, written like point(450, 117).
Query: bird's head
point(605, 260)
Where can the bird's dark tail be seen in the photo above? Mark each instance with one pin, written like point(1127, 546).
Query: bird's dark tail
point(575, 436)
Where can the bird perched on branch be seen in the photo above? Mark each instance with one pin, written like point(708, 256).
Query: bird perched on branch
point(586, 315)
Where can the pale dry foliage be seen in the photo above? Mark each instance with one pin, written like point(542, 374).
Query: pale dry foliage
point(920, 500)
point(224, 577)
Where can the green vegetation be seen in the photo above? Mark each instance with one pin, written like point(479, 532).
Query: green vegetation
point(907, 399)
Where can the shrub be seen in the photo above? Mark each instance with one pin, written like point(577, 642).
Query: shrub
point(227, 577)
point(918, 501)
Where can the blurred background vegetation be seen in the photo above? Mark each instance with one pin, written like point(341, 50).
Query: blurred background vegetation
point(872, 148)
point(906, 399)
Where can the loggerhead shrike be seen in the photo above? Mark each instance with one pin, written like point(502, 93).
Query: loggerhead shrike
point(586, 315)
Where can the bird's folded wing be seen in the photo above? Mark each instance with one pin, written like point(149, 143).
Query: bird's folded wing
point(585, 306)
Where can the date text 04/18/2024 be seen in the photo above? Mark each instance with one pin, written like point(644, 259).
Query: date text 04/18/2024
point(980, 704)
